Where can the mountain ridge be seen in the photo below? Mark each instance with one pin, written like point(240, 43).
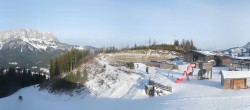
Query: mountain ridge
point(30, 48)
point(242, 51)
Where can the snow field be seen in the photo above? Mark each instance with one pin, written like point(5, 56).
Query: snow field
point(115, 89)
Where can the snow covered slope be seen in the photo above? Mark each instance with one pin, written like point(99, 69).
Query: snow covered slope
point(117, 88)
point(112, 82)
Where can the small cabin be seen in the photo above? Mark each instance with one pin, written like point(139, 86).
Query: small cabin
point(240, 64)
point(234, 79)
point(194, 56)
point(223, 60)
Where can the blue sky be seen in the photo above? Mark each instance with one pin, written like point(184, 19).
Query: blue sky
point(216, 24)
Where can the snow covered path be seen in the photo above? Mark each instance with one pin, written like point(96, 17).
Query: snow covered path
point(41, 100)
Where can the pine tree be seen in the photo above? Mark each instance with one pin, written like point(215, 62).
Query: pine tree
point(69, 61)
point(57, 69)
point(29, 78)
point(183, 43)
point(191, 44)
point(1, 72)
point(176, 42)
point(135, 46)
point(51, 69)
point(1, 76)
point(188, 46)
point(85, 75)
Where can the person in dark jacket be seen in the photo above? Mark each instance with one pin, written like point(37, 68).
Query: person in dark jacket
point(147, 69)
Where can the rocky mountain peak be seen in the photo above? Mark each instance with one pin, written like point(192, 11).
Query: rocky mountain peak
point(29, 47)
point(28, 34)
point(242, 51)
point(247, 45)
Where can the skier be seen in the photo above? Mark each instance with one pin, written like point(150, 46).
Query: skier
point(147, 69)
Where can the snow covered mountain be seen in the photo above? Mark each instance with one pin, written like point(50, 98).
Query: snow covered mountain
point(30, 39)
point(238, 51)
point(29, 48)
point(247, 46)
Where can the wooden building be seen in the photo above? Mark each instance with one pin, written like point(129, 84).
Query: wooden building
point(194, 56)
point(234, 79)
point(240, 64)
point(223, 60)
point(162, 65)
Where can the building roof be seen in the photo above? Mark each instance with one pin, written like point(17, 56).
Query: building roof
point(235, 74)
point(206, 53)
point(242, 58)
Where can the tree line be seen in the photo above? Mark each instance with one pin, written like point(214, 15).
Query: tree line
point(156, 47)
point(68, 61)
point(14, 79)
point(111, 49)
point(180, 46)
point(183, 46)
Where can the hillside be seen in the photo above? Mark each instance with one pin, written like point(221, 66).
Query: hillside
point(247, 46)
point(238, 51)
point(119, 88)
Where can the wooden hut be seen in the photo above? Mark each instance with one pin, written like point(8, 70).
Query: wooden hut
point(223, 60)
point(194, 56)
point(240, 64)
point(234, 79)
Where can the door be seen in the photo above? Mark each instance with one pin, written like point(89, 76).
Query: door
point(238, 83)
point(195, 58)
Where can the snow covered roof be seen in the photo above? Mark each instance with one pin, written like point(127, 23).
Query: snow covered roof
point(235, 74)
point(242, 58)
point(207, 53)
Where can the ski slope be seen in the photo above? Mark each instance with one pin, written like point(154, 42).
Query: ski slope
point(123, 91)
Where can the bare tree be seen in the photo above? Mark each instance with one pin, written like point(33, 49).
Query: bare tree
point(149, 41)
point(154, 42)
